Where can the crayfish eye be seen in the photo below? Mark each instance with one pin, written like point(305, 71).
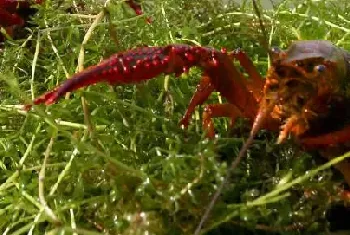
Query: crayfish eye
point(320, 68)
point(275, 50)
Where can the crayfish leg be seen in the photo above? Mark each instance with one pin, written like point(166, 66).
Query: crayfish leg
point(255, 84)
point(203, 91)
point(241, 93)
point(329, 144)
point(329, 139)
point(219, 110)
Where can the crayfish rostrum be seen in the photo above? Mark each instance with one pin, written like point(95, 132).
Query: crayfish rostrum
point(304, 94)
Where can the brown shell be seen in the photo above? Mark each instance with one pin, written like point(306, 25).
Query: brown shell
point(309, 49)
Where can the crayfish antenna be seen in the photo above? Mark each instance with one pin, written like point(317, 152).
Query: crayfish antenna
point(263, 40)
point(257, 125)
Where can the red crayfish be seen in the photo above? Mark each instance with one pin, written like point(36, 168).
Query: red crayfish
point(13, 13)
point(304, 94)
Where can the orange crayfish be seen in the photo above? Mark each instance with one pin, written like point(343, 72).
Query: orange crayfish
point(305, 93)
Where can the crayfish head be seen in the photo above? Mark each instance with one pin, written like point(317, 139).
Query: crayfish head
point(302, 84)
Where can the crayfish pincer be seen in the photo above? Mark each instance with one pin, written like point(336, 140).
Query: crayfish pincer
point(305, 93)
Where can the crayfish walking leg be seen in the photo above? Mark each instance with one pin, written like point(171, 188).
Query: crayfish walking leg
point(332, 142)
point(254, 85)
